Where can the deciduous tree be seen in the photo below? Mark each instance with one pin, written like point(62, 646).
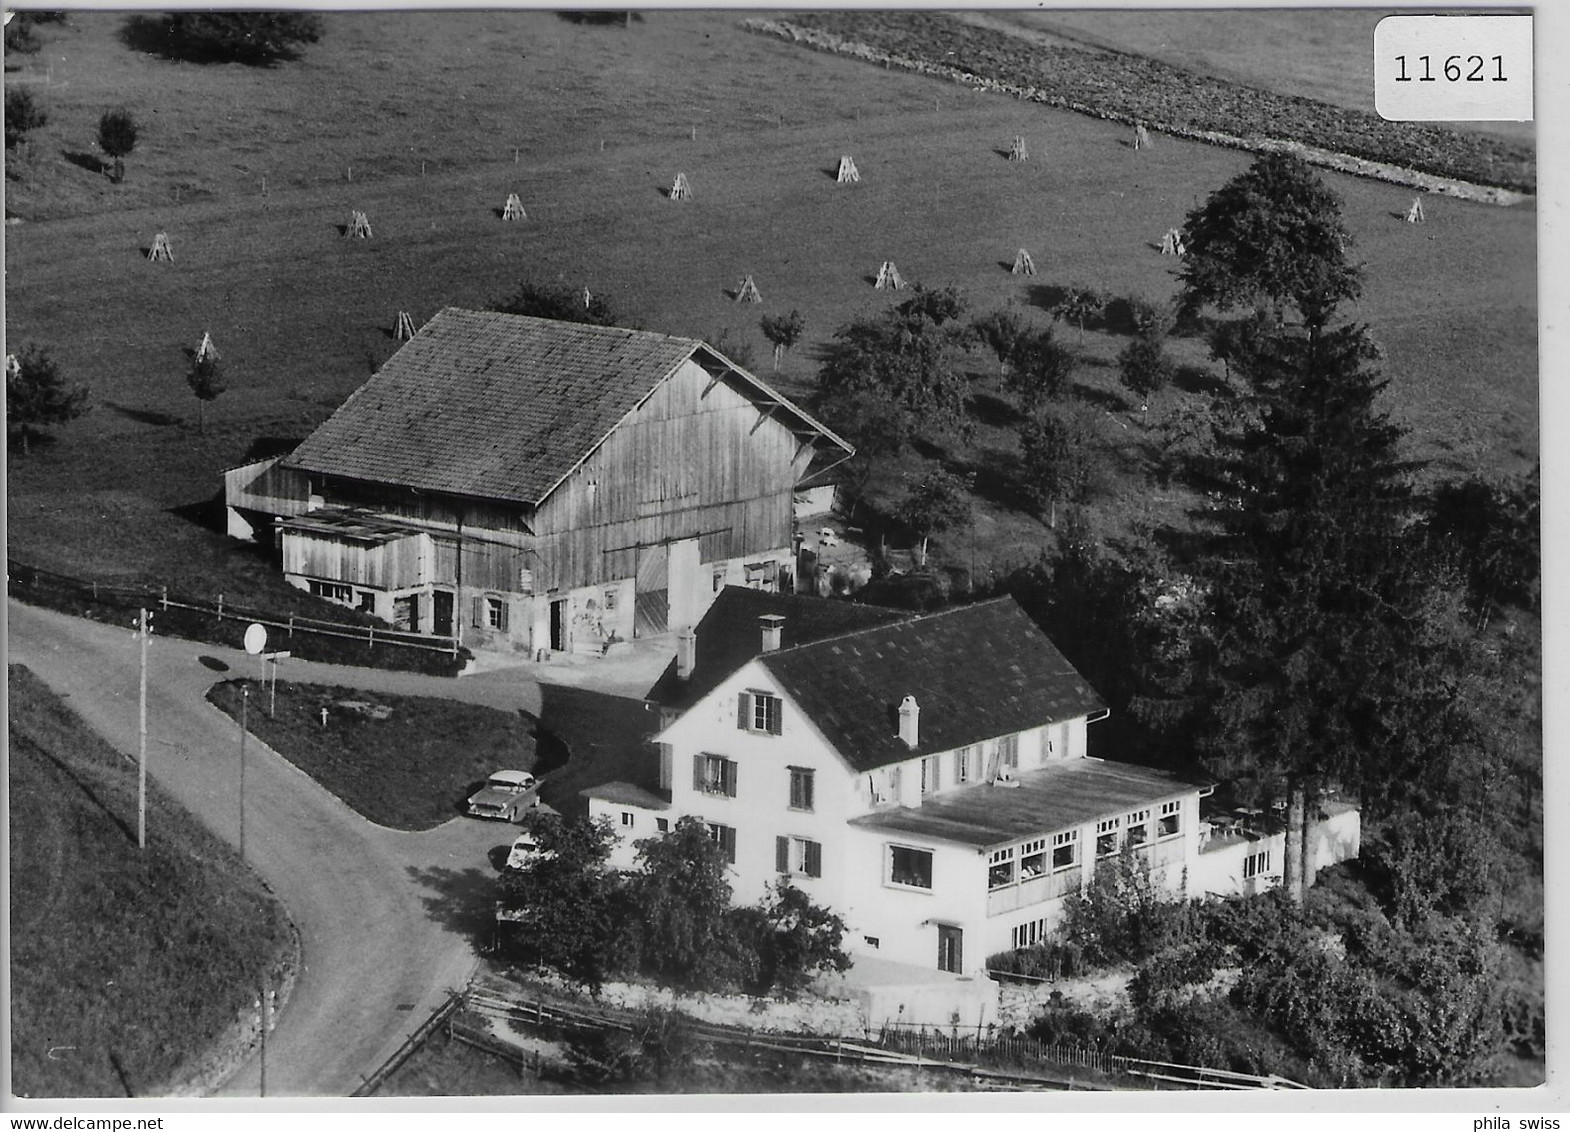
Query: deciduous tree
point(206, 379)
point(783, 332)
point(1041, 369)
point(1144, 368)
point(908, 357)
point(681, 896)
point(1059, 456)
point(117, 134)
point(558, 301)
point(999, 331)
point(1273, 234)
point(936, 502)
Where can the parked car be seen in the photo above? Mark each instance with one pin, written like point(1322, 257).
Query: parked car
point(507, 794)
point(525, 851)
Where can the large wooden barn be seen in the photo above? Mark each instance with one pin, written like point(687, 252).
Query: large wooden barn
point(539, 485)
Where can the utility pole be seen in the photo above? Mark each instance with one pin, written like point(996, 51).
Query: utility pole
point(245, 702)
point(144, 629)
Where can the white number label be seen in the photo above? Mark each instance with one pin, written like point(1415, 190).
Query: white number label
point(1453, 68)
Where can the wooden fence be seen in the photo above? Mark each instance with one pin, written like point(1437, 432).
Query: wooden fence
point(990, 1059)
point(20, 575)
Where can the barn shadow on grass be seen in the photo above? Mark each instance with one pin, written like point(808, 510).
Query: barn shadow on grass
point(266, 447)
point(209, 514)
point(461, 900)
point(89, 161)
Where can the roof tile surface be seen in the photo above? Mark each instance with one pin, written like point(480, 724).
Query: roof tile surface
point(977, 672)
point(494, 405)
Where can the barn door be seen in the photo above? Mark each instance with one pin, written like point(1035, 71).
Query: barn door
point(652, 602)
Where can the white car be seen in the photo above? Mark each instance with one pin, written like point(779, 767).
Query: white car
point(525, 851)
point(507, 794)
point(828, 537)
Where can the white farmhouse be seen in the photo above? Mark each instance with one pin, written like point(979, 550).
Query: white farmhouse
point(924, 776)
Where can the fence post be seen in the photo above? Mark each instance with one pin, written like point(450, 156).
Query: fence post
point(95, 591)
point(370, 637)
point(220, 607)
point(291, 624)
point(163, 597)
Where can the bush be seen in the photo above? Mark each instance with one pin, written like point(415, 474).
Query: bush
point(921, 590)
point(23, 113)
point(254, 38)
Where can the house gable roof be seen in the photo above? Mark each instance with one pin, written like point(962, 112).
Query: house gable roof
point(504, 406)
point(977, 672)
point(729, 636)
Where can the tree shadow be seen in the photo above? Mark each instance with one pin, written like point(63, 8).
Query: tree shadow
point(89, 161)
point(147, 34)
point(213, 663)
point(1199, 379)
point(993, 411)
point(1101, 398)
point(143, 416)
point(1045, 296)
point(996, 471)
point(461, 900)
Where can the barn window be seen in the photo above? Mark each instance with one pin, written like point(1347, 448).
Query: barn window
point(332, 591)
point(1171, 822)
point(610, 600)
point(1065, 849)
point(496, 614)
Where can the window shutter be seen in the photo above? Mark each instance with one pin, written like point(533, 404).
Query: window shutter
point(479, 613)
point(503, 608)
point(728, 842)
point(777, 717)
point(782, 854)
point(743, 710)
point(814, 861)
point(698, 777)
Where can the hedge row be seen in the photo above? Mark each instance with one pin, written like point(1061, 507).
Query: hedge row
point(1134, 88)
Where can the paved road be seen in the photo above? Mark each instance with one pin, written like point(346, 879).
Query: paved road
point(386, 918)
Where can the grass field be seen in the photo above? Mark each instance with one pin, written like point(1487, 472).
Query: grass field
point(303, 315)
point(124, 964)
point(1325, 53)
point(407, 762)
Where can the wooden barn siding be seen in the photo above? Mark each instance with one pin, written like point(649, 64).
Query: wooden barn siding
point(382, 565)
point(265, 487)
point(425, 508)
point(692, 461)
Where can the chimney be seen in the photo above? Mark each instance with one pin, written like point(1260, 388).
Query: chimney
point(686, 652)
point(773, 627)
point(909, 718)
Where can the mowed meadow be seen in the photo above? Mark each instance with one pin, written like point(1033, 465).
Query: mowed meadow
point(589, 125)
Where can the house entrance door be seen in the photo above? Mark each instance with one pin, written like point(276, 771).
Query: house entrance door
point(651, 597)
point(950, 949)
point(441, 612)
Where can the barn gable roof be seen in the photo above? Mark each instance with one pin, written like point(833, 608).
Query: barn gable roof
point(504, 406)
